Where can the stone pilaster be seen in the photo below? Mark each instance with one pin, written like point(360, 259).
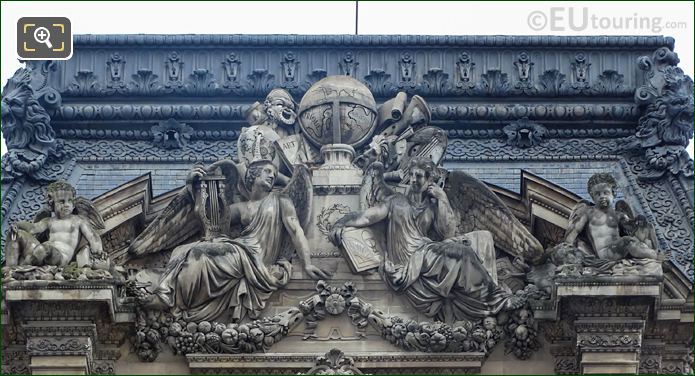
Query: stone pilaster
point(609, 345)
point(60, 347)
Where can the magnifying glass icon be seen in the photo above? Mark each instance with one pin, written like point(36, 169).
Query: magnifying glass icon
point(42, 35)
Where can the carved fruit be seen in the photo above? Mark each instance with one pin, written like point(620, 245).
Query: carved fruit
point(219, 328)
point(204, 327)
point(175, 329)
point(199, 338)
point(192, 327)
point(256, 335)
point(268, 341)
point(230, 336)
point(521, 332)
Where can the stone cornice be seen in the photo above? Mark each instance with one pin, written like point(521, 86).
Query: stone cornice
point(274, 40)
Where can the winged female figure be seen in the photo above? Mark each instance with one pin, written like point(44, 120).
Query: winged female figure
point(205, 279)
point(444, 273)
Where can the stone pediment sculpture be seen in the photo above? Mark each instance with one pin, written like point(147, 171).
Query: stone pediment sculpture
point(609, 238)
point(245, 269)
point(65, 231)
point(244, 218)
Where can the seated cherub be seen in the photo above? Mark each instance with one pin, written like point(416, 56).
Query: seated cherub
point(611, 232)
point(70, 223)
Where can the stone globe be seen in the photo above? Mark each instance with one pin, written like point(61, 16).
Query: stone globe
point(356, 112)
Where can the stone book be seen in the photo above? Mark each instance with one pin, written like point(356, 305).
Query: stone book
point(360, 246)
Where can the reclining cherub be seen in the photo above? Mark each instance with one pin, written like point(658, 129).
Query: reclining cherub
point(71, 223)
point(612, 233)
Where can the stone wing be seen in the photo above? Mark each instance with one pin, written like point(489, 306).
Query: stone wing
point(177, 222)
point(374, 188)
point(478, 208)
point(85, 208)
point(301, 192)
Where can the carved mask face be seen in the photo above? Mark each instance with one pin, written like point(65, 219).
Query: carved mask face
point(602, 194)
point(63, 203)
point(281, 110)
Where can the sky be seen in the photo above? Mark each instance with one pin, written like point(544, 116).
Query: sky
point(429, 18)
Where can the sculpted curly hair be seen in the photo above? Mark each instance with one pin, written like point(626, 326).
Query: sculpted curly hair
point(601, 178)
point(253, 171)
point(59, 186)
point(424, 164)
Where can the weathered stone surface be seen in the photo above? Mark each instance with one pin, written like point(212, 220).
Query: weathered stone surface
point(456, 180)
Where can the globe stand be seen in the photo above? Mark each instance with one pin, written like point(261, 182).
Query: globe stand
point(337, 169)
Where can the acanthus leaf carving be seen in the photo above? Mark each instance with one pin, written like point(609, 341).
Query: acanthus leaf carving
point(201, 83)
point(551, 83)
point(435, 83)
point(493, 83)
point(144, 83)
point(379, 83)
point(610, 82)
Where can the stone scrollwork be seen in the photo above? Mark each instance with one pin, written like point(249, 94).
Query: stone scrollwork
point(334, 362)
point(343, 184)
point(524, 67)
point(115, 68)
point(580, 73)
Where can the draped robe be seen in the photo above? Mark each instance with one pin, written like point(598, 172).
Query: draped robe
point(447, 280)
point(204, 280)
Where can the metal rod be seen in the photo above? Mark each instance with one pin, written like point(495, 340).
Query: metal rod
point(357, 12)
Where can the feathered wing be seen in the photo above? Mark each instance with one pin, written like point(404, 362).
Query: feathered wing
point(478, 208)
point(177, 222)
point(623, 207)
point(85, 208)
point(374, 188)
point(234, 190)
point(634, 224)
point(301, 192)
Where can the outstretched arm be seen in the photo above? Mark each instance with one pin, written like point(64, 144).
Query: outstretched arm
point(34, 228)
point(294, 228)
point(369, 217)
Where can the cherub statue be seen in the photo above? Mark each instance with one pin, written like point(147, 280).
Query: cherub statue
point(432, 252)
point(610, 233)
point(221, 272)
point(71, 224)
